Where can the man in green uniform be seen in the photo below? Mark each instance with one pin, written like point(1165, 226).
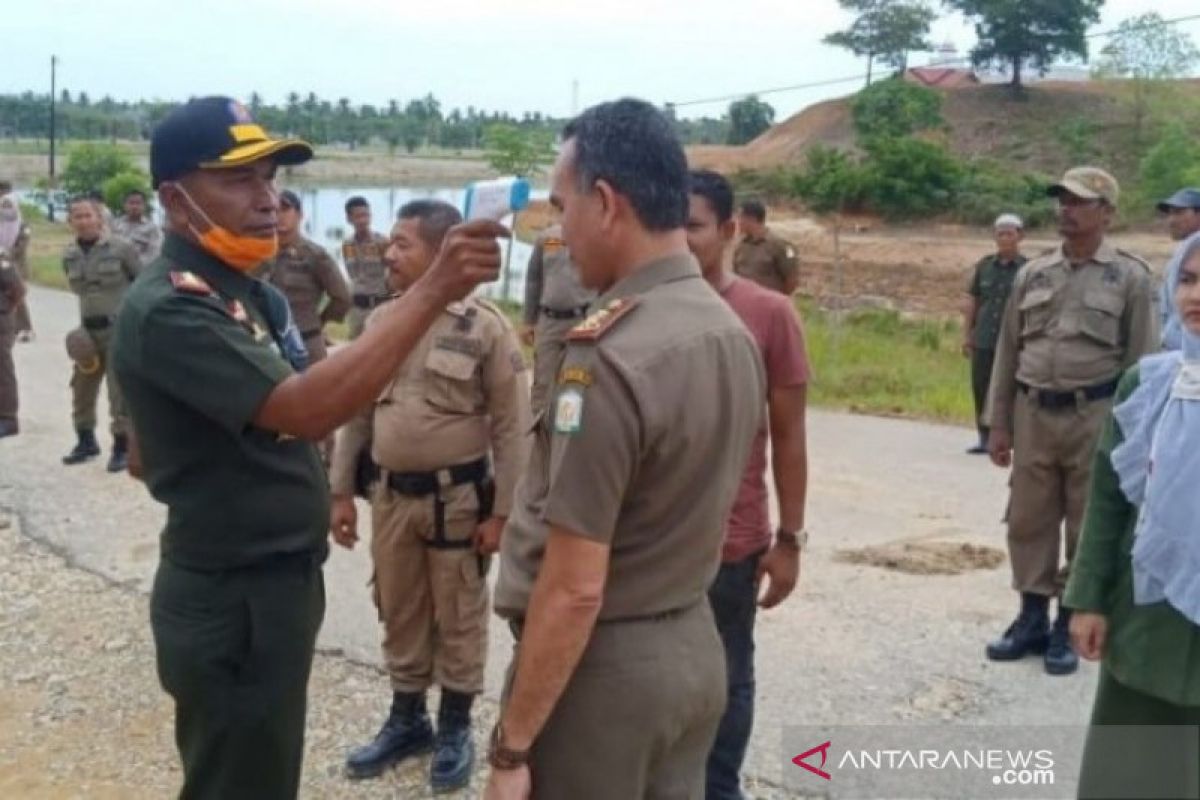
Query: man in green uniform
point(12, 293)
point(987, 293)
point(224, 437)
point(311, 282)
point(363, 256)
point(100, 268)
point(618, 679)
point(555, 302)
point(762, 256)
point(136, 226)
point(1078, 316)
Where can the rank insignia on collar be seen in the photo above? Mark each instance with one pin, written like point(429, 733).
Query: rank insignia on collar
point(599, 322)
point(238, 311)
point(190, 283)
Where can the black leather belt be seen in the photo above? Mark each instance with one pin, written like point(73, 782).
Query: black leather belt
point(368, 301)
point(419, 484)
point(97, 323)
point(1046, 398)
point(555, 313)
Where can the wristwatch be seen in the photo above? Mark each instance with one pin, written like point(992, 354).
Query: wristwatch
point(502, 757)
point(797, 540)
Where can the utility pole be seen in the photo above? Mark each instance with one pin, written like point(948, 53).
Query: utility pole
point(53, 134)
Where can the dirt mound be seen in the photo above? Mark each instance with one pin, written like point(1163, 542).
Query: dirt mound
point(925, 558)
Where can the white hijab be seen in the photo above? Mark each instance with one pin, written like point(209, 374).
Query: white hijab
point(10, 221)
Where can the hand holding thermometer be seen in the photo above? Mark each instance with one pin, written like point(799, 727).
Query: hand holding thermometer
point(496, 199)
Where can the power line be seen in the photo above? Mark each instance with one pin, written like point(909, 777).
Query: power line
point(863, 76)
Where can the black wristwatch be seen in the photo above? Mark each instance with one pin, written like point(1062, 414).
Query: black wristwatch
point(501, 757)
point(793, 539)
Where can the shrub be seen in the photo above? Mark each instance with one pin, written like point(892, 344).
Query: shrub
point(895, 108)
point(90, 165)
point(118, 187)
point(908, 178)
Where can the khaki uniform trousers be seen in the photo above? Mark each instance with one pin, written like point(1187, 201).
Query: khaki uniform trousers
point(638, 716)
point(549, 344)
point(85, 389)
point(1052, 466)
point(432, 601)
point(8, 370)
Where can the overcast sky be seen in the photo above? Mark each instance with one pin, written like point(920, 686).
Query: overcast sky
point(519, 55)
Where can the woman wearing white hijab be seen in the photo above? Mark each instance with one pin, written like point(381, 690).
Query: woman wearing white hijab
point(1135, 582)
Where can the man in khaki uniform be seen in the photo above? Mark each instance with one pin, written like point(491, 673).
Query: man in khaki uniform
point(555, 302)
point(12, 293)
point(437, 513)
point(308, 278)
point(1077, 317)
point(762, 256)
point(138, 228)
point(14, 239)
point(363, 256)
point(618, 679)
point(99, 268)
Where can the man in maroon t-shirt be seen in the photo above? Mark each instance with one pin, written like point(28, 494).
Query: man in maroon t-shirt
point(750, 552)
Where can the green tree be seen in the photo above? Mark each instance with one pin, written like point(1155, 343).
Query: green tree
point(909, 178)
point(832, 181)
point(894, 108)
point(1020, 33)
point(1169, 165)
point(887, 30)
point(90, 165)
point(748, 118)
point(118, 187)
point(513, 151)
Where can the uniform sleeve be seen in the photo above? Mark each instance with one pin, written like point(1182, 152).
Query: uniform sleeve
point(507, 393)
point(1142, 333)
point(787, 263)
point(592, 462)
point(155, 241)
point(131, 262)
point(351, 439)
point(973, 286)
point(335, 288)
point(785, 356)
point(1097, 561)
point(534, 276)
point(195, 352)
point(998, 410)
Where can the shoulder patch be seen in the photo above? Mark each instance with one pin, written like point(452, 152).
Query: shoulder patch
point(347, 250)
point(1136, 258)
point(575, 374)
point(601, 321)
point(190, 283)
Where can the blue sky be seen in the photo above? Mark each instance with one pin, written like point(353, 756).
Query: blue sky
point(517, 55)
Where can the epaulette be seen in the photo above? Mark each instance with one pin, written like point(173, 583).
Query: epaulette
point(488, 305)
point(190, 283)
point(601, 321)
point(1135, 257)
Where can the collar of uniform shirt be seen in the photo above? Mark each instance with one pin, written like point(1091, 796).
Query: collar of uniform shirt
point(220, 276)
point(649, 275)
point(1106, 254)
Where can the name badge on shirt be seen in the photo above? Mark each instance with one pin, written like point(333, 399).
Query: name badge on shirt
point(568, 411)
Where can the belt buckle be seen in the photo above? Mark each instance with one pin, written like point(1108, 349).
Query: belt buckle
point(444, 479)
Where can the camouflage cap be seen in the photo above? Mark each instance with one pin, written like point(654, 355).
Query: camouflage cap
point(1088, 183)
point(81, 347)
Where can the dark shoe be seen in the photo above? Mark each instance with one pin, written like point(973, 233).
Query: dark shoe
point(978, 450)
point(86, 448)
point(118, 460)
point(1028, 633)
point(406, 732)
point(454, 750)
point(24, 337)
point(1060, 658)
point(8, 427)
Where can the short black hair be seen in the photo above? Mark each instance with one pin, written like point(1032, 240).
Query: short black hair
point(716, 189)
point(75, 200)
point(632, 146)
point(290, 198)
point(358, 201)
point(133, 192)
point(435, 218)
point(754, 209)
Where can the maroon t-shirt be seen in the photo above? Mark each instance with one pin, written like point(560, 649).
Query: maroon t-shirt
point(775, 326)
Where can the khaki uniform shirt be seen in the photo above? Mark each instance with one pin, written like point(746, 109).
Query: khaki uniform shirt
point(660, 394)
point(551, 279)
point(460, 395)
point(769, 261)
point(306, 275)
point(364, 265)
point(1070, 327)
point(147, 236)
point(101, 275)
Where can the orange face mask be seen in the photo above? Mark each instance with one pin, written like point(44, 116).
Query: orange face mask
point(243, 253)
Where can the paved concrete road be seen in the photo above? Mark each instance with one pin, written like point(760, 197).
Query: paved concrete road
point(856, 645)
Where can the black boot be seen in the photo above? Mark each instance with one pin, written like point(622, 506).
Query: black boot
point(406, 732)
point(85, 448)
point(118, 460)
point(1028, 633)
point(1060, 658)
point(454, 751)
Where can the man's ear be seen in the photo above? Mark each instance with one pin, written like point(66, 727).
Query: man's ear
point(610, 203)
point(173, 204)
point(728, 230)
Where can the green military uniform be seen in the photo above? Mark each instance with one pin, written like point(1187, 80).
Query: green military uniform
point(100, 274)
point(145, 234)
point(555, 302)
point(12, 292)
point(368, 277)
point(615, 461)
point(1068, 332)
point(769, 261)
point(238, 597)
point(307, 276)
point(1151, 669)
point(990, 285)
